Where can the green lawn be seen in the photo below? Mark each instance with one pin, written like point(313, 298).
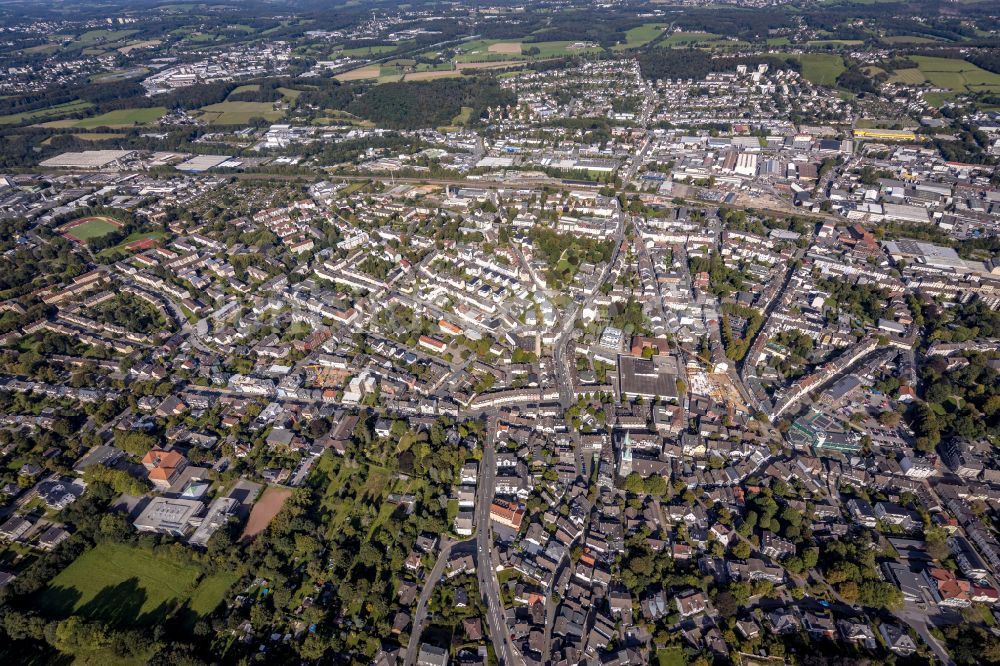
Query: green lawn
point(211, 591)
point(671, 657)
point(822, 68)
point(128, 586)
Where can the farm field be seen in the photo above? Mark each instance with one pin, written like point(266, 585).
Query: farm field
point(509, 48)
point(499, 64)
point(119, 119)
point(909, 39)
point(910, 77)
point(127, 586)
point(366, 72)
point(957, 75)
point(834, 42)
point(428, 76)
point(238, 113)
point(367, 51)
point(687, 38)
point(821, 68)
point(84, 229)
point(50, 112)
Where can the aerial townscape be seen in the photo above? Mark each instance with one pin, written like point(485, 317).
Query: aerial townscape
point(500, 333)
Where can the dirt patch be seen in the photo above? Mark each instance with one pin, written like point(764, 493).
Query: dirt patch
point(264, 511)
point(509, 48)
point(369, 72)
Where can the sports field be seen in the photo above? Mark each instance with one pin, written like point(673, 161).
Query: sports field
point(85, 228)
point(127, 586)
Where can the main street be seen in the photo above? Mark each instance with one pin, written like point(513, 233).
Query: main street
point(486, 562)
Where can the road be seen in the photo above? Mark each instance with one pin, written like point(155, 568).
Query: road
point(420, 614)
point(486, 572)
point(919, 621)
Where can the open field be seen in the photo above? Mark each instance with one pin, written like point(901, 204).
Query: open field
point(250, 87)
point(640, 35)
point(368, 51)
point(50, 112)
point(85, 228)
point(114, 119)
point(238, 113)
point(499, 64)
point(264, 510)
point(957, 75)
point(910, 77)
point(937, 99)
point(558, 49)
point(335, 117)
point(119, 74)
point(428, 76)
point(127, 586)
point(92, 37)
point(821, 68)
point(136, 241)
point(506, 47)
point(685, 38)
point(92, 136)
point(366, 72)
point(834, 42)
point(138, 45)
point(909, 39)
